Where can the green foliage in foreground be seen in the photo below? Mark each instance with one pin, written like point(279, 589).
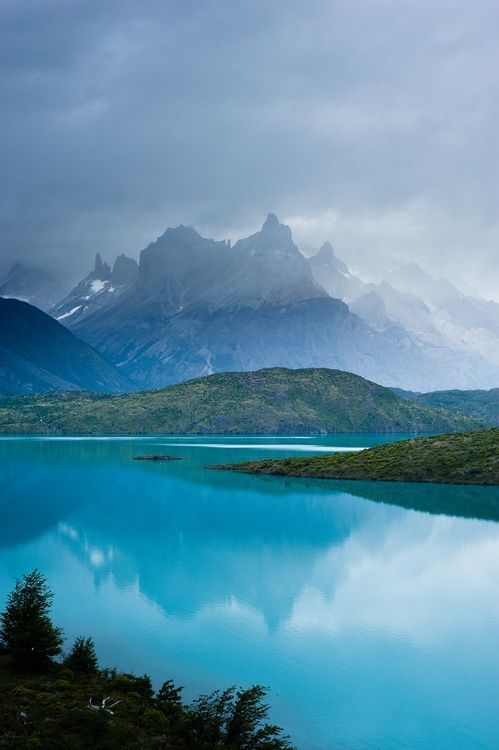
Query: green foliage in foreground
point(82, 657)
point(270, 401)
point(462, 458)
point(26, 631)
point(77, 706)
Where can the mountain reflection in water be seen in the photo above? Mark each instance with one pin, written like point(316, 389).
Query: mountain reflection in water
point(374, 625)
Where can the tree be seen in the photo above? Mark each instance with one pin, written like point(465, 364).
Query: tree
point(82, 657)
point(233, 720)
point(169, 701)
point(26, 630)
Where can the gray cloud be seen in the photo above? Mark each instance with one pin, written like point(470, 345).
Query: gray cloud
point(373, 124)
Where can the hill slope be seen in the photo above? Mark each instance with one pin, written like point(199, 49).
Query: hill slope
point(477, 404)
point(463, 458)
point(38, 354)
point(268, 401)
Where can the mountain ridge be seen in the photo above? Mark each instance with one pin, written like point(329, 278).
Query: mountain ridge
point(39, 354)
point(479, 403)
point(267, 401)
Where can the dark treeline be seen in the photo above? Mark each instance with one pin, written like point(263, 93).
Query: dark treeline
point(55, 702)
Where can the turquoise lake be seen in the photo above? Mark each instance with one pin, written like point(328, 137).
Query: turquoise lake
point(375, 626)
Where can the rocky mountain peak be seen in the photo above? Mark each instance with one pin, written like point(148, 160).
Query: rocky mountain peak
point(125, 270)
point(326, 251)
point(182, 235)
point(271, 223)
point(326, 257)
point(273, 237)
point(101, 270)
point(275, 232)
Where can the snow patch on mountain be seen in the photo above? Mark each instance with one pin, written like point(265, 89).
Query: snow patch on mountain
point(99, 289)
point(71, 312)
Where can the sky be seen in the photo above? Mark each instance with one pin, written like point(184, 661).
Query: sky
point(371, 123)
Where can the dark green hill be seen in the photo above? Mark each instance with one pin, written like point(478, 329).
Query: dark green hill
point(477, 404)
point(270, 401)
point(39, 354)
point(463, 458)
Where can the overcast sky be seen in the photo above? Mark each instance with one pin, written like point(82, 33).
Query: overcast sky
point(372, 123)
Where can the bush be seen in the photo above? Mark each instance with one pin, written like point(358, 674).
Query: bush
point(82, 657)
point(233, 720)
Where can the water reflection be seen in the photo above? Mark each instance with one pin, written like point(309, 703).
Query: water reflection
point(375, 626)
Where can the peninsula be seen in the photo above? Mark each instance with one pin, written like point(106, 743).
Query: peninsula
point(460, 458)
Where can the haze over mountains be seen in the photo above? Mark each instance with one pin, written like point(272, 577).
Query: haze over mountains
point(194, 306)
point(40, 287)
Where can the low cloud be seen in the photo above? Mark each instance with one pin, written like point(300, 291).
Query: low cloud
point(370, 124)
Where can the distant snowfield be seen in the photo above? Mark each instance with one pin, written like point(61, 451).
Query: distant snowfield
point(97, 285)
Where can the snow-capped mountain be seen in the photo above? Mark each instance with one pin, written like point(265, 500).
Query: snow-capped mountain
point(462, 322)
point(198, 306)
point(37, 286)
point(99, 289)
point(432, 310)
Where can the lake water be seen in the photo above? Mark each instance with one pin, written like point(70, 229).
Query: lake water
point(375, 626)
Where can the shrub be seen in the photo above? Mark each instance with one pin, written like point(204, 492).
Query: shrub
point(82, 657)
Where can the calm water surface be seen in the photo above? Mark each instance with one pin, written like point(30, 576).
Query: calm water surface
point(375, 626)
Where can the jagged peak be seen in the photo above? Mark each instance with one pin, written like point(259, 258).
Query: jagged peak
point(125, 269)
point(272, 236)
point(271, 223)
point(124, 260)
point(326, 256)
point(182, 233)
point(326, 251)
point(101, 270)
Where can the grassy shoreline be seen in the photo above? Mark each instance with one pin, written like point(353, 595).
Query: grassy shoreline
point(456, 458)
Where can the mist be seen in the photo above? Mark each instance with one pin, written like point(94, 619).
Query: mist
point(373, 125)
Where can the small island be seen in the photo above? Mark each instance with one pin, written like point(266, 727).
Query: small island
point(459, 458)
point(157, 457)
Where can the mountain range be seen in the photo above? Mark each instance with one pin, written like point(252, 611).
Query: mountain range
point(193, 306)
point(98, 290)
point(432, 310)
